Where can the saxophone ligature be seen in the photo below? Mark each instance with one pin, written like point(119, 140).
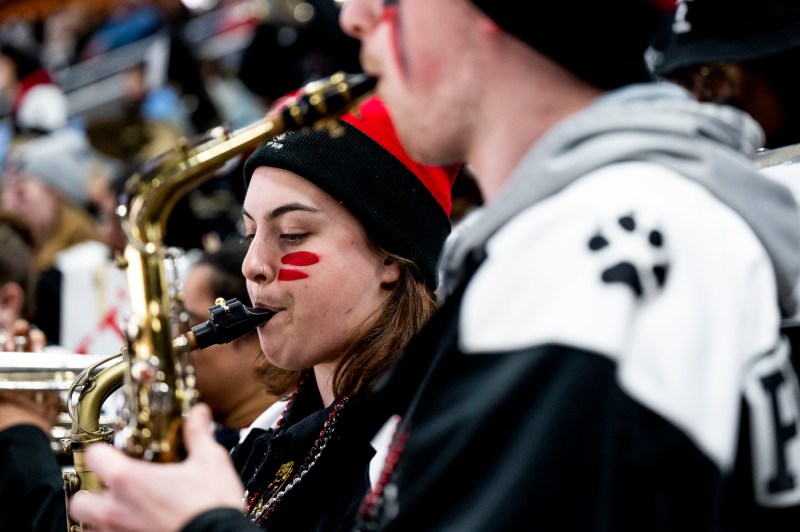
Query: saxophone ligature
point(158, 389)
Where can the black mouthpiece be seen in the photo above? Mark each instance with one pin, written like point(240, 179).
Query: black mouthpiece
point(335, 96)
point(229, 320)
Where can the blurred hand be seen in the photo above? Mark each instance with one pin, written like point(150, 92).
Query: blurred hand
point(22, 337)
point(30, 408)
point(40, 408)
point(152, 497)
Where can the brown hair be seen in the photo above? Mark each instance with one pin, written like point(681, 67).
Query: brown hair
point(74, 226)
point(17, 259)
point(374, 346)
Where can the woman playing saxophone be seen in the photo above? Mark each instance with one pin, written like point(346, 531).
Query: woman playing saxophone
point(158, 381)
point(345, 232)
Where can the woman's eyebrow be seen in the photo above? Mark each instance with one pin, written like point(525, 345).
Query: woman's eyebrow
point(289, 207)
point(283, 209)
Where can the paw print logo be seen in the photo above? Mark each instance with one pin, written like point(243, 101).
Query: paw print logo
point(632, 255)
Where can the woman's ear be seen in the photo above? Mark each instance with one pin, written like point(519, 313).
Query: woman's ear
point(391, 271)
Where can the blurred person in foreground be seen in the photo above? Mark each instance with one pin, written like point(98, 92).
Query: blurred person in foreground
point(609, 354)
point(219, 274)
point(345, 232)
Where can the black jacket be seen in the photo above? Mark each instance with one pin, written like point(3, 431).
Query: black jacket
point(31, 489)
point(329, 494)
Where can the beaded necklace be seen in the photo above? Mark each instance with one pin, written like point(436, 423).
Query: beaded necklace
point(375, 500)
point(259, 506)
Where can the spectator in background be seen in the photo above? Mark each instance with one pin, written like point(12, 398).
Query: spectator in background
point(45, 183)
point(736, 52)
point(38, 105)
point(64, 32)
point(219, 274)
point(150, 122)
point(17, 285)
point(127, 21)
point(291, 49)
point(17, 305)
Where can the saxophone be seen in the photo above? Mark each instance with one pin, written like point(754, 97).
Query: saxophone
point(152, 368)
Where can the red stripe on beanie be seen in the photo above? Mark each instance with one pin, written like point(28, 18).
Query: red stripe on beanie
point(438, 180)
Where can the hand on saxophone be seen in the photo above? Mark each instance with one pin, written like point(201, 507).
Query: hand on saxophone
point(147, 496)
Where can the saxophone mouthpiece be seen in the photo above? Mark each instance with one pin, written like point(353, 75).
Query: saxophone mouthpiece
point(323, 100)
point(229, 320)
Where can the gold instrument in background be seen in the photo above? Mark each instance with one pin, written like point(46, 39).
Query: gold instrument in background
point(156, 377)
point(42, 372)
point(52, 376)
point(83, 383)
point(89, 380)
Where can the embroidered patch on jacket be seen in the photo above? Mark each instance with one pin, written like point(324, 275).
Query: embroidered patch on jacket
point(632, 255)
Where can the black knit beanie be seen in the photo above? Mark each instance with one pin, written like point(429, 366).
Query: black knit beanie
point(699, 32)
point(403, 205)
point(602, 43)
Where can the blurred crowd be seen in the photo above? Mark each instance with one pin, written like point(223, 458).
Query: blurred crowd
point(90, 91)
point(571, 271)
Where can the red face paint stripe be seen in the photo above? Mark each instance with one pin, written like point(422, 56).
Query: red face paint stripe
point(389, 12)
point(291, 275)
point(390, 15)
point(300, 258)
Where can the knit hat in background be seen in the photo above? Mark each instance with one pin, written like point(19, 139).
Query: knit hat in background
point(39, 105)
point(61, 159)
point(42, 109)
point(602, 43)
point(712, 31)
point(403, 205)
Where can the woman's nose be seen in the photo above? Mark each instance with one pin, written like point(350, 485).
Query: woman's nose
point(254, 266)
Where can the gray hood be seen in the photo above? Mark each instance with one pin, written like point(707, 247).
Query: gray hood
point(631, 125)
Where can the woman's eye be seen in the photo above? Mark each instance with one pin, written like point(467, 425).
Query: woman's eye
point(246, 239)
point(294, 238)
